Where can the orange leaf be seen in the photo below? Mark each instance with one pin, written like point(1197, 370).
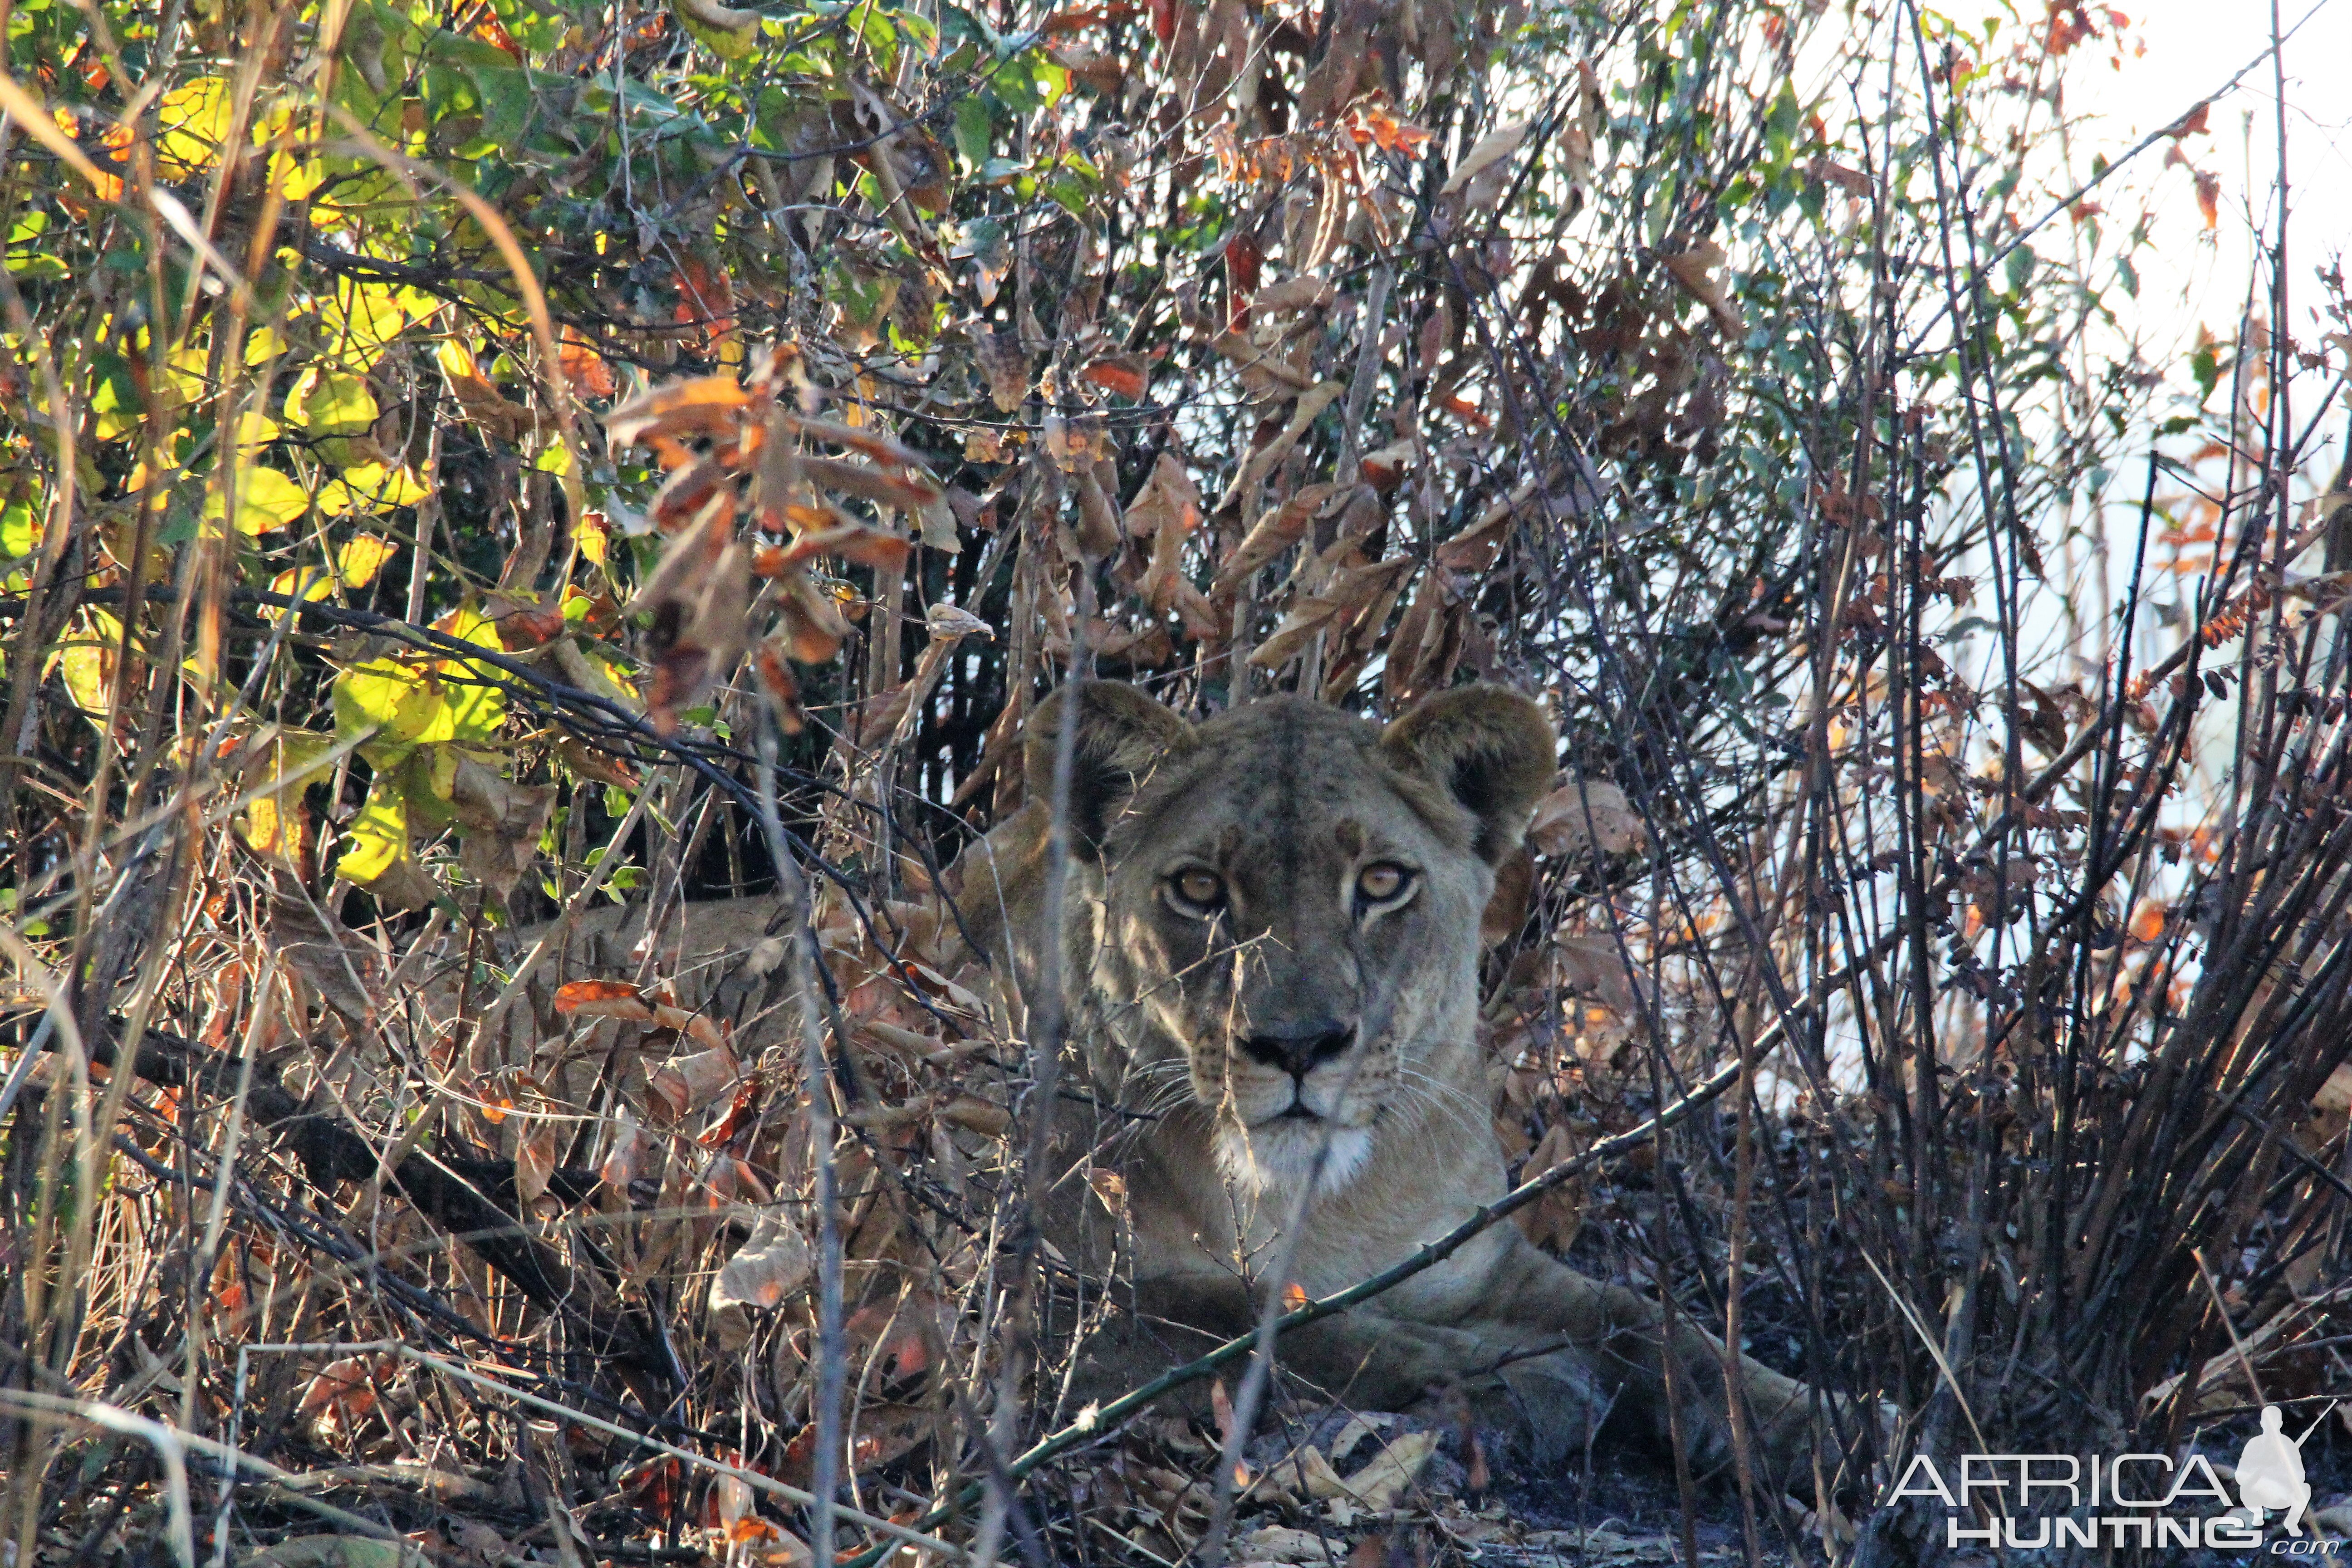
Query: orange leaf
point(603, 999)
point(703, 406)
point(2148, 921)
point(1121, 375)
point(584, 368)
point(1293, 1296)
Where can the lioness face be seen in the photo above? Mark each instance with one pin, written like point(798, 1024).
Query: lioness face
point(1291, 896)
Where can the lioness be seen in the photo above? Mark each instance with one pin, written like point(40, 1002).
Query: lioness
point(1270, 947)
point(1270, 943)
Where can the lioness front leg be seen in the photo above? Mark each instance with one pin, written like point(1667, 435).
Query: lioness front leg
point(1620, 1339)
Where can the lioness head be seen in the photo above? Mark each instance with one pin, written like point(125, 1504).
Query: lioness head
point(1288, 898)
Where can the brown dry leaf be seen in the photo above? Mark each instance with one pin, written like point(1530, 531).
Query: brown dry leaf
point(1484, 172)
point(878, 445)
point(1555, 1219)
point(767, 1268)
point(1379, 1484)
point(1167, 496)
point(1355, 592)
point(1006, 367)
point(859, 543)
point(1280, 1543)
point(1384, 466)
point(485, 405)
point(1280, 528)
point(1174, 512)
point(1308, 615)
point(1579, 816)
point(1305, 1477)
point(813, 625)
point(1306, 292)
point(346, 971)
point(784, 687)
point(1592, 966)
point(688, 1083)
point(620, 1166)
point(1123, 375)
point(1098, 531)
point(1473, 549)
point(910, 492)
point(1582, 133)
point(534, 1160)
point(1264, 374)
point(502, 822)
point(343, 1391)
point(699, 598)
point(1694, 269)
point(974, 1114)
point(1262, 460)
point(689, 490)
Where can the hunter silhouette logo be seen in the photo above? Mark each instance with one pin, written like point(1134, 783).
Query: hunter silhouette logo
point(2269, 1471)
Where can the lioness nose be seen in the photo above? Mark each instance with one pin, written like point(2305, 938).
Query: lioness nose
point(1300, 1049)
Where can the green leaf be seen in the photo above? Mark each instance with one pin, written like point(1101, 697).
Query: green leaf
point(20, 529)
point(971, 129)
point(2018, 267)
point(506, 99)
point(115, 399)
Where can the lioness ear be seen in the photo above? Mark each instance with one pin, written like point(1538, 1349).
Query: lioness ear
point(1489, 748)
point(1121, 733)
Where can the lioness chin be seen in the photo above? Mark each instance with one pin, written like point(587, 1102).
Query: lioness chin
point(1269, 946)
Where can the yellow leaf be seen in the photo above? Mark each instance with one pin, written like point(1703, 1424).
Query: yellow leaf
point(363, 558)
point(183, 376)
point(265, 501)
point(401, 704)
point(263, 343)
point(315, 583)
point(457, 359)
point(371, 486)
point(297, 179)
point(280, 770)
point(326, 404)
point(378, 835)
point(86, 662)
point(592, 533)
point(360, 319)
point(254, 430)
point(192, 122)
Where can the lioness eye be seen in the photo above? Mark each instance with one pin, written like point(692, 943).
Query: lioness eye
point(1199, 887)
point(1378, 884)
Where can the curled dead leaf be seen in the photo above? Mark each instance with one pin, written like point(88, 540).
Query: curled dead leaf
point(688, 1083)
point(1589, 814)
